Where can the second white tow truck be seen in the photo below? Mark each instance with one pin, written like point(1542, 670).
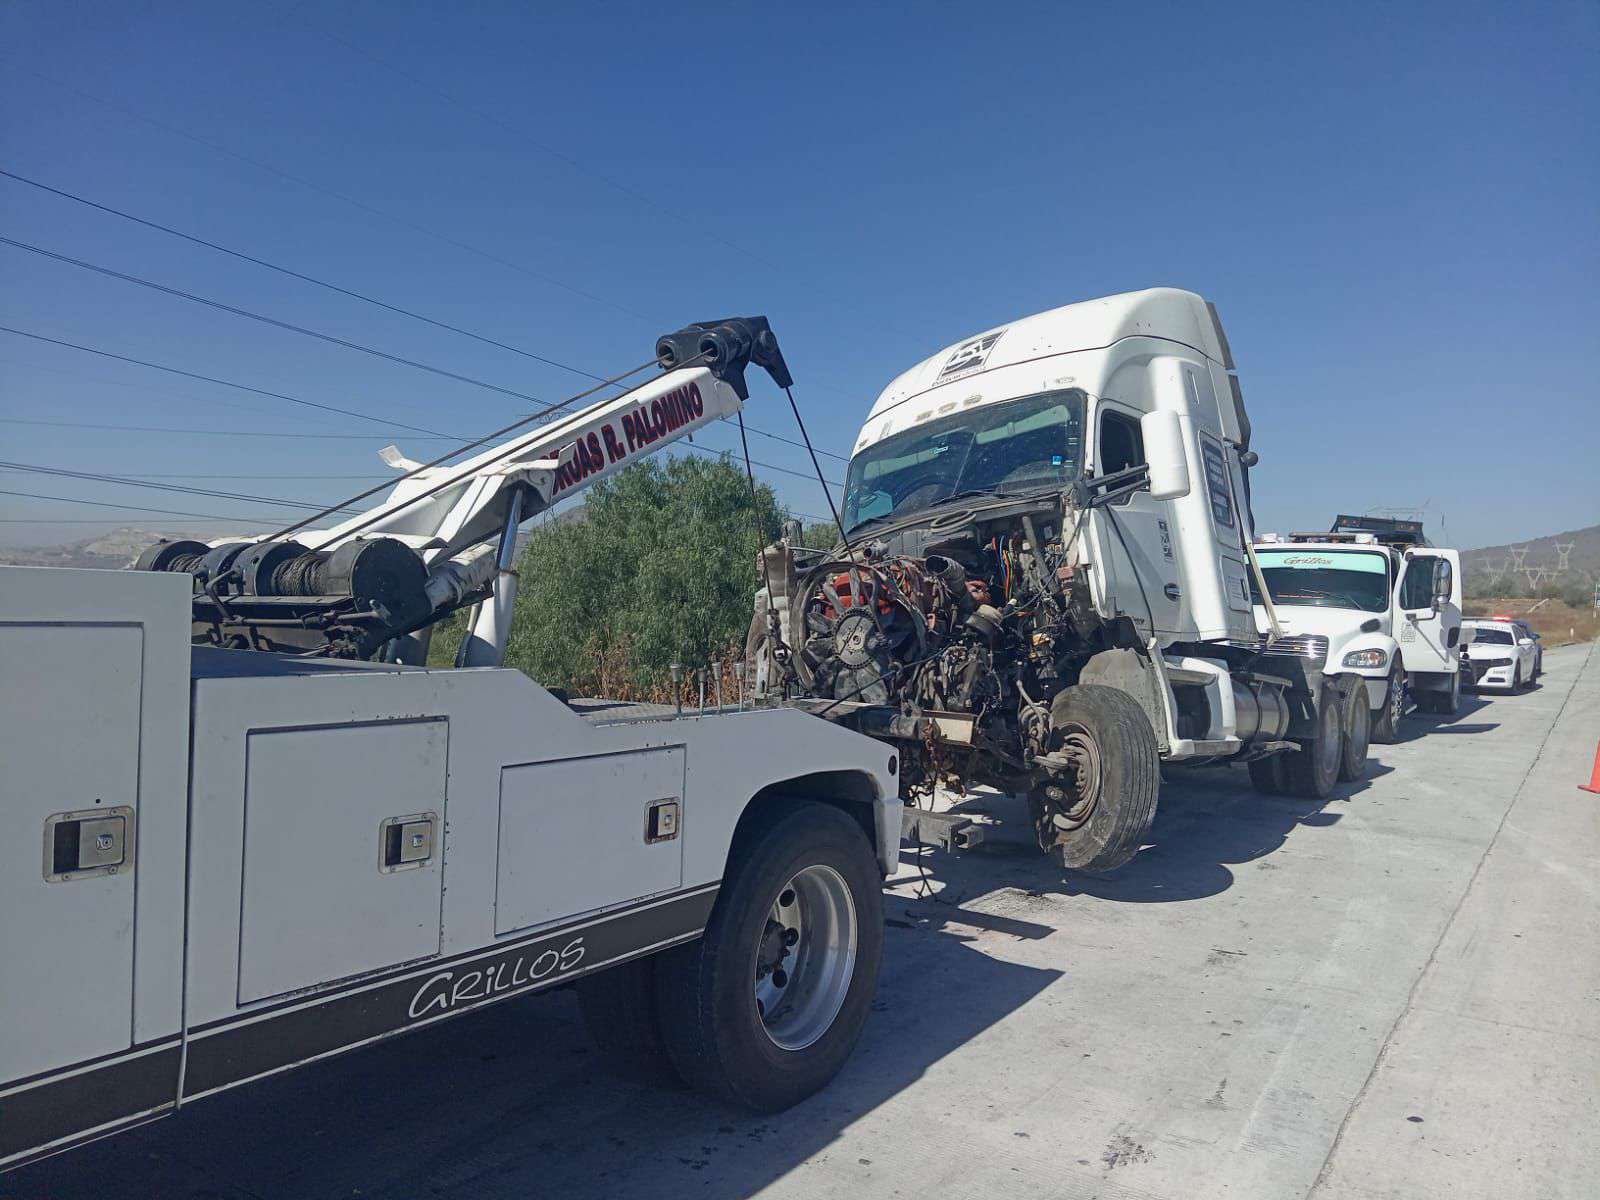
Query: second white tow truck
point(1380, 607)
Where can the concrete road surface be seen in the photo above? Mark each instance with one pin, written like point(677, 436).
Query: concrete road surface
point(1393, 994)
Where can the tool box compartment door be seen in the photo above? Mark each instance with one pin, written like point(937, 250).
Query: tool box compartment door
point(69, 756)
point(343, 853)
point(587, 833)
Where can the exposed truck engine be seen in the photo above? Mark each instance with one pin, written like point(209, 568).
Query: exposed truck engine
point(1045, 584)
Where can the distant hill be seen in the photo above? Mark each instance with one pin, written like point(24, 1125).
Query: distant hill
point(1499, 563)
point(108, 551)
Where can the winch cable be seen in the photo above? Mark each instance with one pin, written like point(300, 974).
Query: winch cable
point(817, 466)
point(862, 574)
point(774, 626)
point(448, 455)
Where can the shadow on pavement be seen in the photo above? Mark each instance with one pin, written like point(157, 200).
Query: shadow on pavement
point(1208, 820)
point(513, 1101)
point(1419, 724)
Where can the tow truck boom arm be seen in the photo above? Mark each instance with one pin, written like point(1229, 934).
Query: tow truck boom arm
point(445, 535)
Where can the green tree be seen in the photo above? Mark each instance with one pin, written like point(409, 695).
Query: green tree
point(819, 535)
point(662, 569)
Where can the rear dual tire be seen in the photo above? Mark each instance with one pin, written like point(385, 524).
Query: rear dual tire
point(1314, 770)
point(1357, 734)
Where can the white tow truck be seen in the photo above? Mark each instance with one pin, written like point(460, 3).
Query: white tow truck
point(244, 827)
point(1045, 585)
point(1380, 607)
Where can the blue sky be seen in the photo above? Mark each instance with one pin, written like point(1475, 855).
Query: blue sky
point(1394, 208)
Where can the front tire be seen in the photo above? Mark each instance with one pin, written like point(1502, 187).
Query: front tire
point(1386, 728)
point(1098, 820)
point(764, 1009)
point(1315, 770)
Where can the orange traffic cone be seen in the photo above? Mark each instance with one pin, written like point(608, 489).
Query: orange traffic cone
point(1594, 778)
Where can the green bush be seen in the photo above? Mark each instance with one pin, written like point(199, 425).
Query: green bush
point(662, 569)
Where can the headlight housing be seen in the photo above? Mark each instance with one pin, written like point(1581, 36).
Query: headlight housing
point(1367, 660)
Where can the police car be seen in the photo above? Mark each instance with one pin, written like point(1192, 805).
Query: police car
point(1503, 651)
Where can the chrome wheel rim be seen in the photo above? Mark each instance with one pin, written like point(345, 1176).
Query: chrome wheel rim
point(1397, 698)
point(805, 957)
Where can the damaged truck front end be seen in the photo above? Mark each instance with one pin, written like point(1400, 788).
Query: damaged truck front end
point(1043, 586)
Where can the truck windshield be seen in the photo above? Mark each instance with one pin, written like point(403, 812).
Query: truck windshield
point(995, 449)
point(1327, 578)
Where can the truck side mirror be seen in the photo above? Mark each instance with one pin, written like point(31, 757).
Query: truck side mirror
point(1441, 583)
point(1166, 453)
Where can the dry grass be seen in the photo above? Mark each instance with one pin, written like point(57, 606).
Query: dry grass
point(1556, 623)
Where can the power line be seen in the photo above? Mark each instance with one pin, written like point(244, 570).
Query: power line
point(293, 274)
point(754, 461)
point(169, 475)
point(347, 412)
point(301, 181)
point(340, 196)
point(260, 433)
point(104, 520)
point(180, 294)
point(183, 489)
point(171, 512)
point(301, 329)
point(333, 287)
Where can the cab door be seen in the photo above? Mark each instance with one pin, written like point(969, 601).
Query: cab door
point(1428, 608)
point(1142, 580)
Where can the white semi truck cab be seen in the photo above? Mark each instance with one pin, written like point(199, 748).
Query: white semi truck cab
point(1378, 605)
point(1045, 580)
point(219, 861)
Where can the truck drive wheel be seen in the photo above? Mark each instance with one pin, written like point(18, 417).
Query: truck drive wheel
point(1097, 820)
point(1386, 725)
point(1268, 775)
point(1357, 734)
point(1447, 702)
point(1315, 769)
point(764, 1009)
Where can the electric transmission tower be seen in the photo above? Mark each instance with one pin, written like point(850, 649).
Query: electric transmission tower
point(1564, 552)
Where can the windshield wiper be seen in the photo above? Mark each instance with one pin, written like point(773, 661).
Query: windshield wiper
point(968, 494)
